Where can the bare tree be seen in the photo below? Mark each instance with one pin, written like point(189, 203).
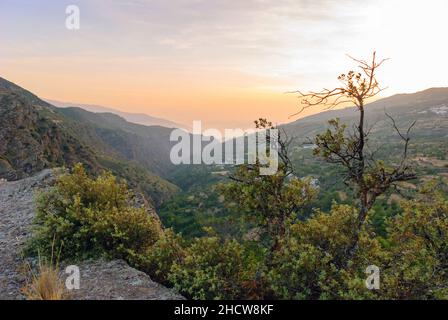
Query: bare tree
point(368, 176)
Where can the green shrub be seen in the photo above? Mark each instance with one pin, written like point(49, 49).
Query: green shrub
point(312, 260)
point(418, 267)
point(214, 269)
point(166, 252)
point(92, 217)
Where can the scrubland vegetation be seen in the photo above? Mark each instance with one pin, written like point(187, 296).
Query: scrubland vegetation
point(288, 238)
point(93, 217)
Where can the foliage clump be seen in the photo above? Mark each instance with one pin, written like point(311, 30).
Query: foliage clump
point(169, 250)
point(308, 264)
point(215, 269)
point(89, 217)
point(269, 200)
point(418, 241)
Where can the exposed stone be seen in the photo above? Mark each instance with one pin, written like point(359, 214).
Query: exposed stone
point(115, 280)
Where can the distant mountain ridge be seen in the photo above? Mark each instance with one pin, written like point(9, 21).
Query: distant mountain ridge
point(429, 108)
point(137, 118)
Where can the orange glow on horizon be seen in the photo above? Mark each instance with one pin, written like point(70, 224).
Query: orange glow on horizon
point(226, 64)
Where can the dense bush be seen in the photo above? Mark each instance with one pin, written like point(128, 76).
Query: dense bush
point(311, 263)
point(412, 258)
point(167, 251)
point(88, 217)
point(215, 269)
point(419, 248)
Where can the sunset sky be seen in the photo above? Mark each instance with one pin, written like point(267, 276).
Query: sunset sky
point(222, 62)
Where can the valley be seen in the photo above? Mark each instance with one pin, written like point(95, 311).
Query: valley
point(192, 201)
point(185, 195)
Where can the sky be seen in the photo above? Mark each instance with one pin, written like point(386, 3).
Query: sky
point(224, 63)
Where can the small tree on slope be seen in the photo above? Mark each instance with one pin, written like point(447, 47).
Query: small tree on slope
point(368, 176)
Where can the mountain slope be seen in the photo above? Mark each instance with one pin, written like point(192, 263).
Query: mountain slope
point(37, 135)
point(429, 108)
point(32, 136)
point(148, 146)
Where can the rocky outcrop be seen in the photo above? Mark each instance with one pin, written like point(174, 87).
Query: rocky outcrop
point(115, 280)
point(99, 279)
point(16, 214)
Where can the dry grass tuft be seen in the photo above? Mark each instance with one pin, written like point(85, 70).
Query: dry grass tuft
point(46, 283)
